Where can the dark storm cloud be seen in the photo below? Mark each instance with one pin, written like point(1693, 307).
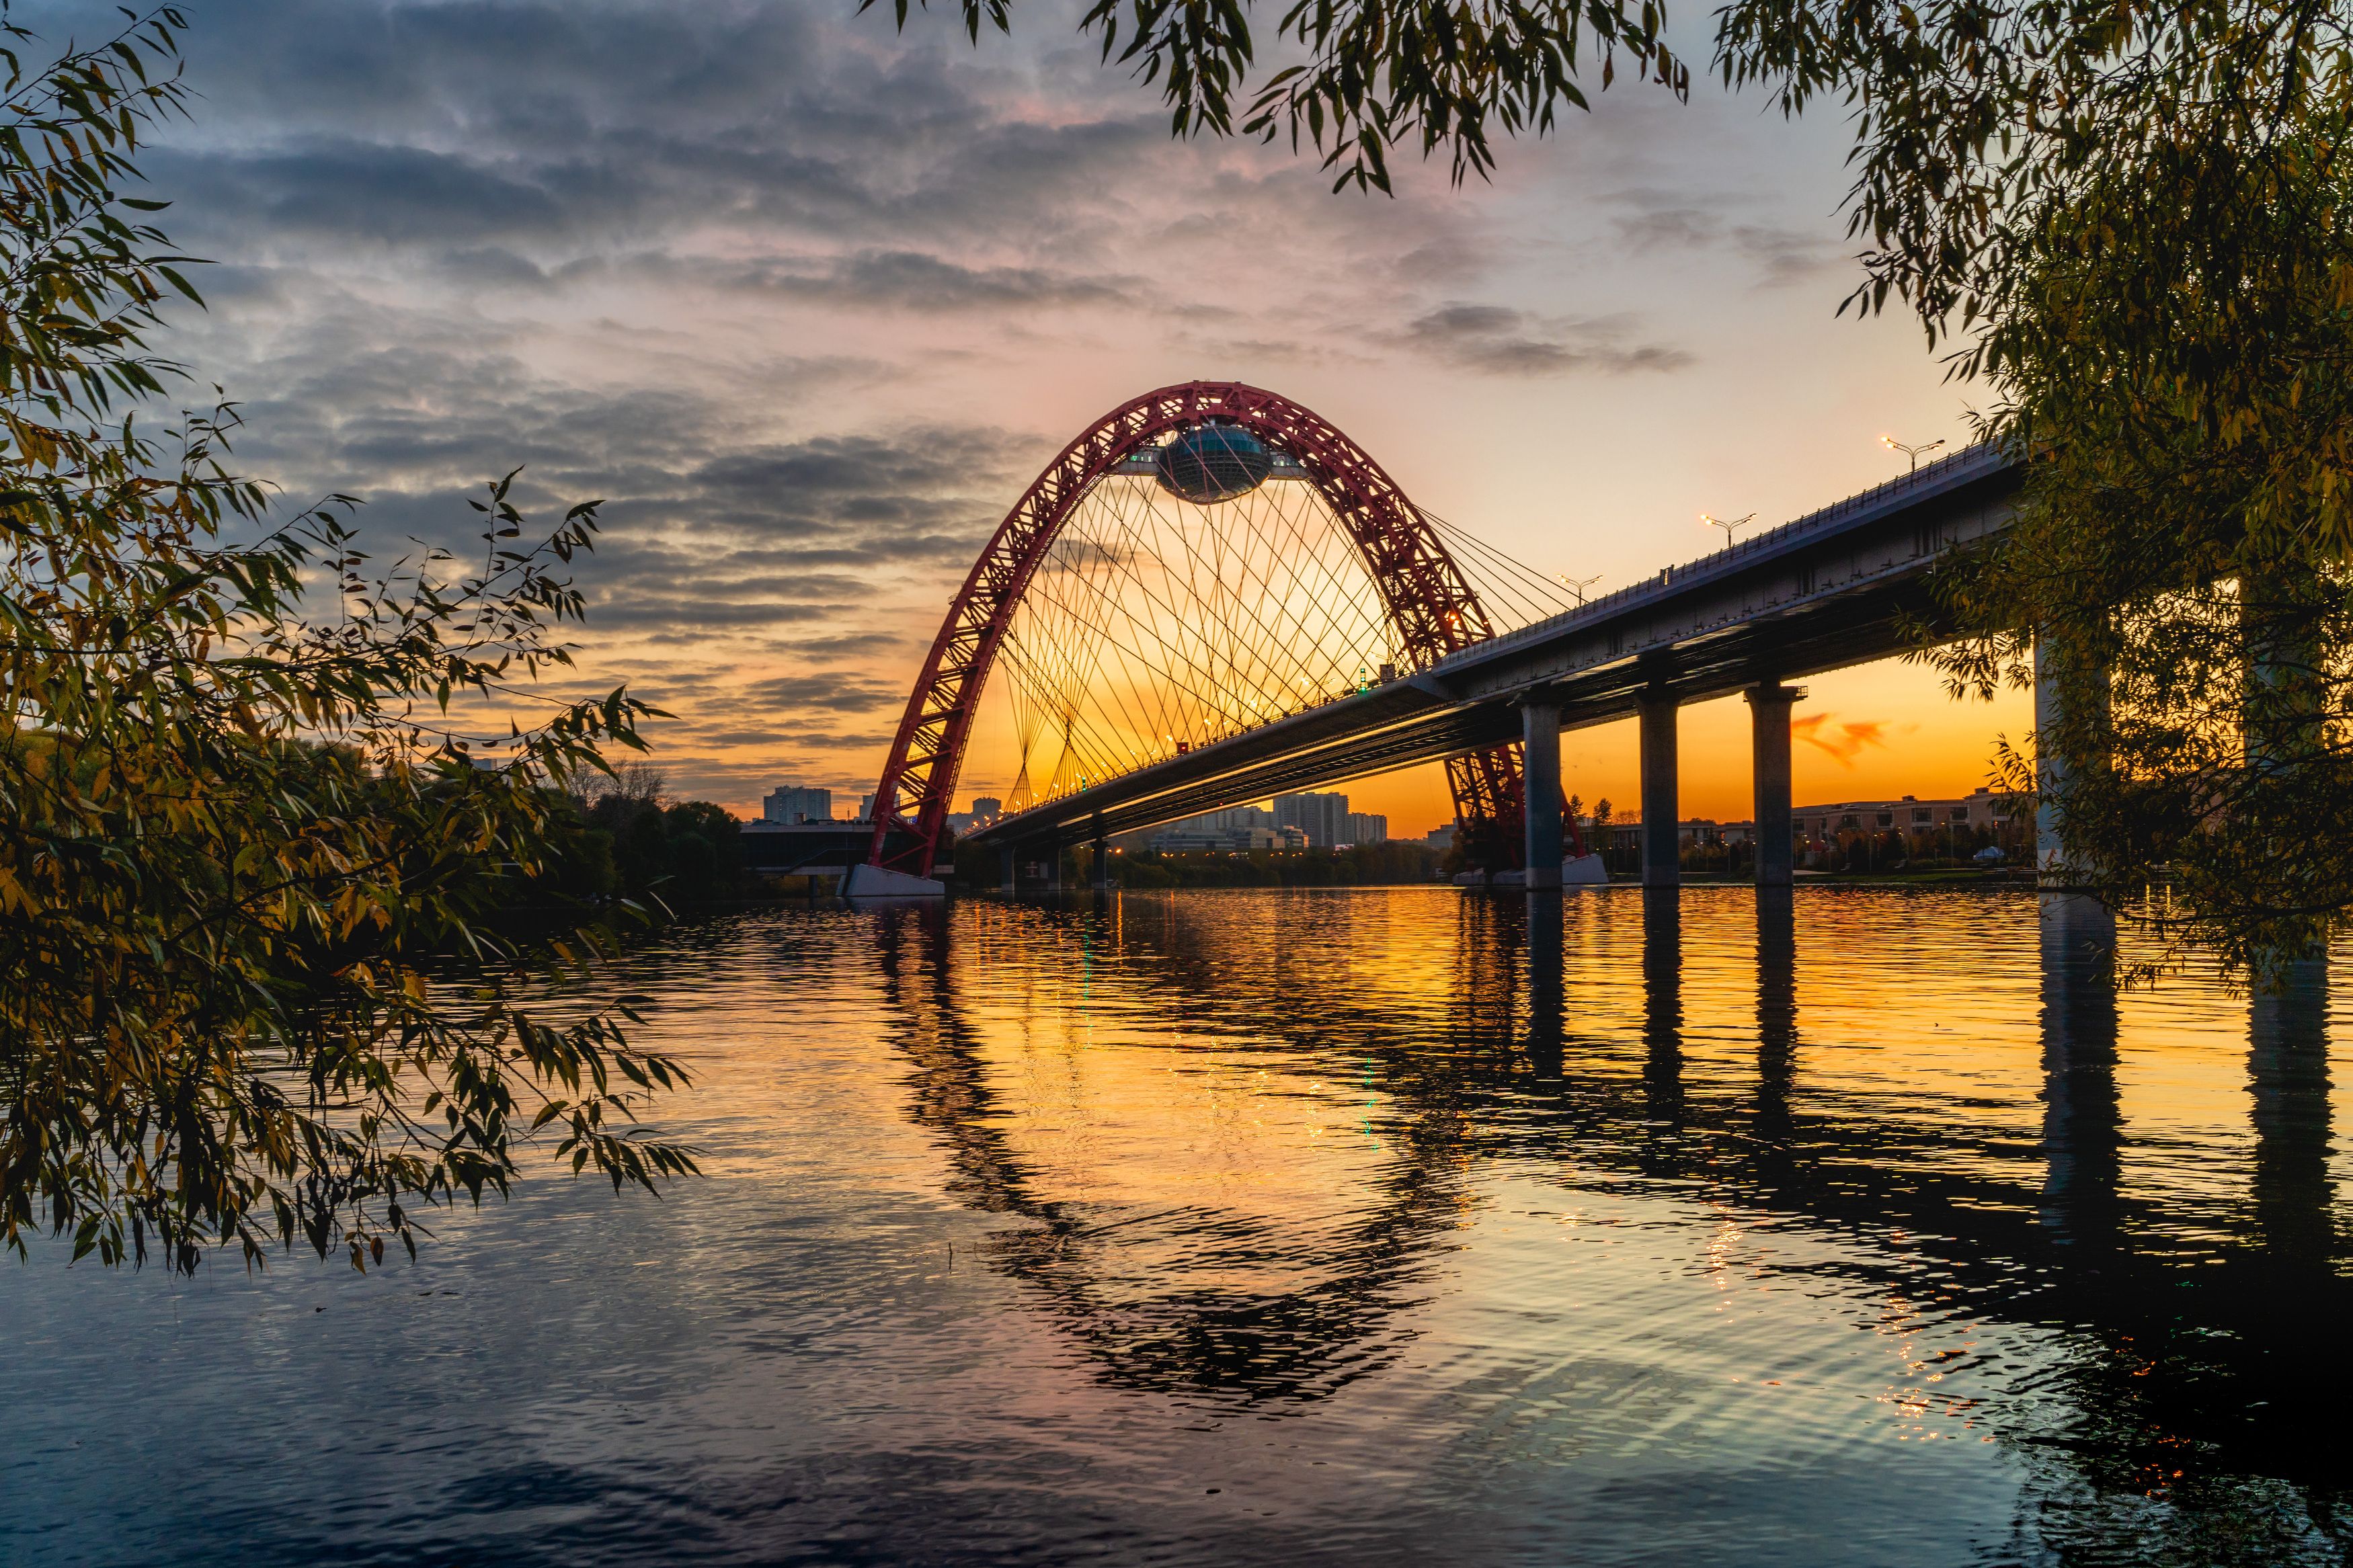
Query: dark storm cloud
point(706, 531)
point(626, 605)
point(911, 279)
point(1787, 256)
point(411, 428)
point(820, 740)
point(846, 645)
point(360, 190)
point(543, 128)
point(830, 693)
point(491, 267)
point(1499, 340)
point(1668, 221)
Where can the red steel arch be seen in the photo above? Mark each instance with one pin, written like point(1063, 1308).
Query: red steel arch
point(1432, 605)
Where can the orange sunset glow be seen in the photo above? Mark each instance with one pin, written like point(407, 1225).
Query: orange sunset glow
point(807, 413)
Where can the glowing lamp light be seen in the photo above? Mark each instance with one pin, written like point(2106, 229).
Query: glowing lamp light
point(1915, 453)
point(1728, 524)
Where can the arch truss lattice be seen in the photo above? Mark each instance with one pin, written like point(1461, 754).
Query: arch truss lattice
point(1081, 534)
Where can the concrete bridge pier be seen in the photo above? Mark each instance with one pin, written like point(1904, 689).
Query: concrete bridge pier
point(1661, 798)
point(1102, 857)
point(2053, 867)
point(1540, 773)
point(1768, 720)
point(1008, 868)
point(2050, 773)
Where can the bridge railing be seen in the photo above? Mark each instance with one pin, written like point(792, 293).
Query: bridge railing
point(1928, 476)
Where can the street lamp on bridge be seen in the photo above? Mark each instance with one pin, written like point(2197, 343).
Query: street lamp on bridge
point(1727, 524)
point(1915, 453)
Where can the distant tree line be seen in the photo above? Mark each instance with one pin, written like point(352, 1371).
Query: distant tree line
point(623, 842)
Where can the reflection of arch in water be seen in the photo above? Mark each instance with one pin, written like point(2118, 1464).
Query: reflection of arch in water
point(1299, 1343)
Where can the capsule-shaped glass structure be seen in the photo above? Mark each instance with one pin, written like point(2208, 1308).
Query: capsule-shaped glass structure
point(1213, 463)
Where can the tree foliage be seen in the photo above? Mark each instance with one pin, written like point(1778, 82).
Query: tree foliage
point(1439, 75)
point(676, 855)
point(2176, 359)
point(251, 989)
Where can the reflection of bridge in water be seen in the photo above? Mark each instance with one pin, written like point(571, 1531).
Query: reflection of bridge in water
point(2204, 1335)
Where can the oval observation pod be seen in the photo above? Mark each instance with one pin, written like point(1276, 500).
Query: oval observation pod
point(1213, 463)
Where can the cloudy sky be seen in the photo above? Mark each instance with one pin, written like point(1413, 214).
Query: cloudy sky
point(809, 302)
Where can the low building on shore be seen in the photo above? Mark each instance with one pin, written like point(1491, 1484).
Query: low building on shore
point(1696, 832)
point(1982, 811)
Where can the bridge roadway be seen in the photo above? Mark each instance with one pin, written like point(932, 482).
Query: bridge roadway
point(1835, 588)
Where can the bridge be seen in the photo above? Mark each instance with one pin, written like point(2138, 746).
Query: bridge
point(1844, 586)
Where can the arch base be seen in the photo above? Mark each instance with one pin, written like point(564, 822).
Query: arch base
point(881, 882)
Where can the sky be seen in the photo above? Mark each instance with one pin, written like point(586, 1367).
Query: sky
point(808, 302)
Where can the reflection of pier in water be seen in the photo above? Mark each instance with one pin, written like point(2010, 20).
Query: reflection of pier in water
point(1505, 1072)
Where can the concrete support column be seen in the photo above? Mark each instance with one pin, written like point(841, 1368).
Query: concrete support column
point(1008, 868)
point(1540, 773)
point(2050, 773)
point(2052, 865)
point(1102, 856)
point(1768, 721)
point(1053, 866)
point(2284, 706)
point(1661, 803)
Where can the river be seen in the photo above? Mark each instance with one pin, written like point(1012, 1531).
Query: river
point(1393, 1225)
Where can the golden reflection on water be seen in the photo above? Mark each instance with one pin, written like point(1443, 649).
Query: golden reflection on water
point(1382, 1225)
point(1258, 1129)
point(1270, 1051)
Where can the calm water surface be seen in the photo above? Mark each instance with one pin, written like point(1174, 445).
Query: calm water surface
point(1376, 1226)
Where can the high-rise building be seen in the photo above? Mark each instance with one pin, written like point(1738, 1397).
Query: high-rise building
point(986, 808)
point(1324, 819)
point(1367, 827)
point(865, 809)
point(789, 803)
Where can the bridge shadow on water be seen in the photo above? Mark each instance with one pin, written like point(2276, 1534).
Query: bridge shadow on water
point(1641, 1045)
